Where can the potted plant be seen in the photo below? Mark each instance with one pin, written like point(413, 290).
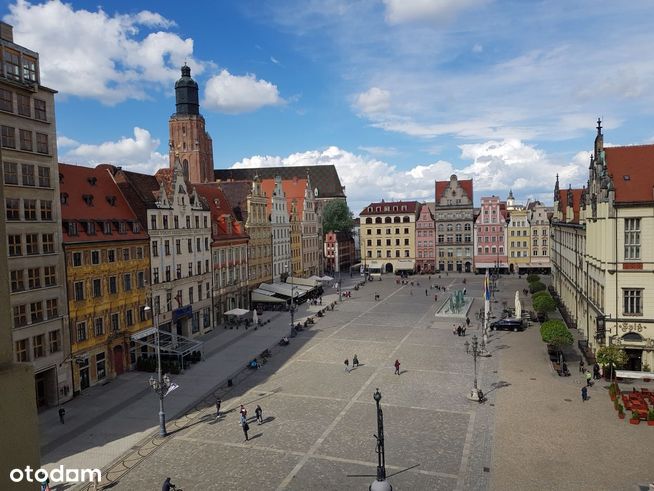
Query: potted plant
point(635, 418)
point(650, 417)
point(620, 411)
point(612, 392)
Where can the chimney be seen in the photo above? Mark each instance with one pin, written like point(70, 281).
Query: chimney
point(6, 32)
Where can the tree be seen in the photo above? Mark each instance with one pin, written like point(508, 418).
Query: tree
point(336, 216)
point(544, 304)
point(533, 277)
point(537, 286)
point(556, 333)
point(542, 293)
point(611, 357)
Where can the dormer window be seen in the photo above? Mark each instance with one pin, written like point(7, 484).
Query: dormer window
point(106, 228)
point(111, 200)
point(72, 228)
point(90, 228)
point(88, 199)
point(63, 197)
point(92, 180)
point(122, 227)
point(136, 227)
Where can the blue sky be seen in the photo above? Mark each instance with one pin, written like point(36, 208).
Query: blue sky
point(395, 93)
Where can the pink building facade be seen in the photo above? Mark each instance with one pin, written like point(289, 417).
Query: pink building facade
point(490, 236)
point(425, 241)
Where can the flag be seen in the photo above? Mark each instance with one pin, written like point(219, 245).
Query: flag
point(172, 387)
point(487, 293)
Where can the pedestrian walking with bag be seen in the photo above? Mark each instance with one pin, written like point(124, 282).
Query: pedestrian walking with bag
point(347, 365)
point(258, 412)
point(397, 367)
point(62, 413)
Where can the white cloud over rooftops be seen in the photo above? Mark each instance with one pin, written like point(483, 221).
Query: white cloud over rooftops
point(239, 94)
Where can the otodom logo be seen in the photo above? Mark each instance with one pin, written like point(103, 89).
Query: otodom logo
point(57, 474)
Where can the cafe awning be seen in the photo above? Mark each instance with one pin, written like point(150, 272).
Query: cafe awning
point(262, 296)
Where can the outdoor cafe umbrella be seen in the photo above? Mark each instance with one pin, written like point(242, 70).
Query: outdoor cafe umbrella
point(518, 305)
point(255, 317)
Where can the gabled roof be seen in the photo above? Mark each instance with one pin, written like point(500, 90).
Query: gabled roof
point(237, 193)
point(394, 207)
point(221, 212)
point(294, 189)
point(323, 177)
point(632, 169)
point(576, 202)
point(466, 185)
point(91, 195)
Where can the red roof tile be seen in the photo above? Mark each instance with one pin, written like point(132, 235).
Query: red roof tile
point(221, 211)
point(576, 202)
point(394, 207)
point(92, 195)
point(466, 185)
point(294, 189)
point(632, 169)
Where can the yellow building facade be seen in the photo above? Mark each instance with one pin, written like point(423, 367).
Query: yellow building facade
point(519, 240)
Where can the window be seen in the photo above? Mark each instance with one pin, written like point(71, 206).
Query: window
point(38, 346)
point(21, 351)
point(176, 221)
point(155, 248)
point(113, 284)
point(44, 177)
point(129, 317)
point(206, 243)
point(49, 276)
point(115, 322)
point(189, 245)
point(29, 209)
point(178, 246)
point(36, 310)
point(188, 222)
point(169, 301)
point(51, 308)
point(632, 299)
point(153, 222)
point(631, 239)
point(165, 221)
point(111, 255)
point(100, 366)
point(34, 278)
point(26, 141)
point(197, 222)
point(127, 282)
point(46, 211)
point(140, 279)
point(106, 228)
point(54, 342)
point(198, 244)
point(6, 100)
point(29, 69)
point(190, 295)
point(95, 257)
point(8, 136)
point(167, 247)
point(179, 271)
point(139, 253)
point(77, 258)
point(167, 273)
point(15, 246)
point(40, 110)
point(97, 287)
point(11, 173)
point(13, 208)
point(81, 331)
point(155, 275)
point(20, 315)
point(42, 143)
point(79, 290)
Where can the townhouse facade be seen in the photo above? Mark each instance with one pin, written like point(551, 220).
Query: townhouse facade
point(539, 221)
point(490, 236)
point(426, 240)
point(280, 228)
point(339, 252)
point(518, 240)
point(454, 220)
point(107, 272)
point(37, 295)
point(312, 234)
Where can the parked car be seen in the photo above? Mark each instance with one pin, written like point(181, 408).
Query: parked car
point(508, 324)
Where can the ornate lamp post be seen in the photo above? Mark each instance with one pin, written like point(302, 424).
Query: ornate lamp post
point(475, 394)
point(162, 383)
point(292, 306)
point(380, 484)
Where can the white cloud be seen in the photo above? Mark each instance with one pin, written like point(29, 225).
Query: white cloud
point(274, 60)
point(439, 11)
point(101, 56)
point(380, 151)
point(373, 101)
point(477, 48)
point(64, 141)
point(237, 94)
point(495, 166)
point(137, 154)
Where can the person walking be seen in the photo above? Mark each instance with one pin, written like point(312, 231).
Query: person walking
point(397, 367)
point(426, 293)
point(218, 403)
point(62, 413)
point(458, 330)
point(584, 394)
point(435, 298)
point(347, 365)
point(258, 412)
point(596, 371)
point(244, 414)
point(468, 321)
point(355, 361)
point(454, 329)
point(589, 379)
point(581, 365)
point(246, 428)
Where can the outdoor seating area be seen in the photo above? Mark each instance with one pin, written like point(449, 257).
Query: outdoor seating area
point(638, 403)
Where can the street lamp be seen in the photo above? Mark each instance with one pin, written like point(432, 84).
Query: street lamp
point(292, 307)
point(162, 383)
point(475, 394)
point(380, 484)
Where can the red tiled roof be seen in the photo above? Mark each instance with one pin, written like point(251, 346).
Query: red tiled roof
point(220, 208)
point(466, 185)
point(237, 193)
point(92, 195)
point(576, 202)
point(411, 207)
point(294, 189)
point(632, 169)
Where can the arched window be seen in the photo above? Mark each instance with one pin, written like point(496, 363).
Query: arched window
point(406, 219)
point(378, 220)
point(368, 220)
point(449, 227)
point(458, 227)
point(185, 168)
point(467, 227)
point(441, 228)
point(396, 220)
point(387, 220)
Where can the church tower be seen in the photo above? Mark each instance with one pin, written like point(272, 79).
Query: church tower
point(188, 138)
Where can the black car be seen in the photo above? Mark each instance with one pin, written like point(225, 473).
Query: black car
point(508, 324)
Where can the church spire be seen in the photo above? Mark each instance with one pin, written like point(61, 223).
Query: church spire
point(186, 93)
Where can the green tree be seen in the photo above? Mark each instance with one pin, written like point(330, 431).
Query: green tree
point(537, 286)
point(533, 277)
point(556, 333)
point(542, 293)
point(611, 356)
point(336, 216)
point(544, 304)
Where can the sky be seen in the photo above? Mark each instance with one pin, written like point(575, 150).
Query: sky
point(395, 93)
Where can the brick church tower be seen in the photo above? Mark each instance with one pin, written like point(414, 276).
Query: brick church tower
point(188, 137)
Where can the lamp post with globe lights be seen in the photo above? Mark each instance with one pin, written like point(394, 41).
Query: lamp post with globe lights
point(380, 484)
point(162, 383)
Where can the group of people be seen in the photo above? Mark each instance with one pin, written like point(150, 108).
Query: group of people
point(243, 416)
point(355, 363)
point(459, 330)
point(596, 374)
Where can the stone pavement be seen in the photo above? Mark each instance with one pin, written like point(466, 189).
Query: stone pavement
point(320, 420)
point(106, 421)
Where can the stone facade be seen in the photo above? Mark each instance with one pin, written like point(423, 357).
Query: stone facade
point(453, 215)
point(518, 240)
point(33, 223)
point(339, 252)
point(311, 233)
point(425, 241)
point(280, 228)
point(540, 236)
point(490, 236)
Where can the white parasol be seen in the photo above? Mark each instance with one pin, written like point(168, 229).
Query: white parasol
point(255, 317)
point(518, 305)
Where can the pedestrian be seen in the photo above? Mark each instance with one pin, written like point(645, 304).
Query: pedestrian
point(601, 372)
point(355, 361)
point(321, 300)
point(596, 371)
point(218, 403)
point(258, 412)
point(347, 365)
point(45, 485)
point(458, 330)
point(584, 394)
point(467, 345)
point(62, 413)
point(463, 330)
point(468, 321)
point(246, 428)
point(581, 365)
point(589, 379)
point(435, 298)
point(244, 414)
point(464, 291)
point(454, 329)
point(397, 367)
point(426, 293)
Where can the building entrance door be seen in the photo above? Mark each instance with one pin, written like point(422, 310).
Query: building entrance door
point(119, 364)
point(41, 398)
point(84, 381)
point(634, 359)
